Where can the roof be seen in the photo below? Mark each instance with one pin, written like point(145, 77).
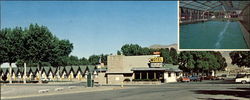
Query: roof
point(67, 69)
point(101, 69)
point(15, 70)
point(21, 70)
point(155, 69)
point(5, 70)
point(60, 69)
point(46, 70)
point(119, 72)
point(33, 70)
point(75, 68)
point(53, 70)
point(27, 69)
point(91, 68)
point(148, 69)
point(83, 69)
point(214, 5)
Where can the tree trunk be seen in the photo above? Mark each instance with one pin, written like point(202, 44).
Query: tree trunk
point(39, 73)
point(24, 76)
point(10, 73)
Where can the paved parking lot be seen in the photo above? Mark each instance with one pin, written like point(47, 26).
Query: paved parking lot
point(206, 90)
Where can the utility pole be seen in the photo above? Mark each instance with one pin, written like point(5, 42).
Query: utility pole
point(24, 77)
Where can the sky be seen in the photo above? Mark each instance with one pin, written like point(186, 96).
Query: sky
point(96, 27)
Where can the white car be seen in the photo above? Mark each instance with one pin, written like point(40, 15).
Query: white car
point(243, 80)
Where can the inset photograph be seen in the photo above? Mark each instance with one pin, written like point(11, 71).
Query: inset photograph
point(214, 25)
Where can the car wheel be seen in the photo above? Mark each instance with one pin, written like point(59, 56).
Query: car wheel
point(243, 82)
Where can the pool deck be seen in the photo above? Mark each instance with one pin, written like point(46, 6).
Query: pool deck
point(246, 33)
point(193, 21)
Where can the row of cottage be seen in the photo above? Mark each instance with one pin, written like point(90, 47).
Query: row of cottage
point(119, 69)
point(48, 73)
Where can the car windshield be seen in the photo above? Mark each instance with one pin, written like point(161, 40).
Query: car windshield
point(240, 75)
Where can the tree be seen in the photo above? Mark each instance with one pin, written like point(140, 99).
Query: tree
point(166, 56)
point(61, 50)
point(240, 58)
point(3, 49)
point(104, 58)
point(200, 61)
point(146, 51)
point(12, 46)
point(41, 46)
point(174, 56)
point(131, 49)
point(94, 59)
point(73, 60)
point(84, 61)
point(221, 60)
point(119, 52)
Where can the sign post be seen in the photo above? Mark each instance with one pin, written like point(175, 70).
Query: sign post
point(89, 80)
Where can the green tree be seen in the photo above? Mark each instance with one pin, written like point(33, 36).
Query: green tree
point(3, 49)
point(12, 46)
point(146, 51)
point(73, 60)
point(94, 59)
point(41, 46)
point(84, 61)
point(174, 56)
point(166, 56)
point(119, 52)
point(60, 52)
point(104, 58)
point(201, 61)
point(131, 49)
point(240, 58)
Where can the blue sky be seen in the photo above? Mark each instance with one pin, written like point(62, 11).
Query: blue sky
point(96, 27)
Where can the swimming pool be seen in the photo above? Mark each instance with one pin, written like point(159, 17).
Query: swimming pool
point(212, 35)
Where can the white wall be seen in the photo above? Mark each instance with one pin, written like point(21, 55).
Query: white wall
point(170, 79)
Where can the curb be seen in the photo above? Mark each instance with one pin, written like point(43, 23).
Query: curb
point(38, 95)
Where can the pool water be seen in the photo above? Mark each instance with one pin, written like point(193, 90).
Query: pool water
point(212, 35)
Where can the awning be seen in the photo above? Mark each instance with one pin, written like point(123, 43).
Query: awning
point(214, 5)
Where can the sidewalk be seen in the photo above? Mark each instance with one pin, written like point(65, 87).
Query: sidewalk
point(11, 92)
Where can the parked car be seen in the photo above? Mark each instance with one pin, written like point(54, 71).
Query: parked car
point(211, 78)
point(243, 79)
point(222, 77)
point(195, 78)
point(184, 79)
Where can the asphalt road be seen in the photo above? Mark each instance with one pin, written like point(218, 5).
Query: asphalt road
point(174, 91)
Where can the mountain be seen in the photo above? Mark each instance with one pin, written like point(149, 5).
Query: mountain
point(158, 46)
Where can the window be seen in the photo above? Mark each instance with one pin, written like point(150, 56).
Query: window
point(137, 75)
point(169, 74)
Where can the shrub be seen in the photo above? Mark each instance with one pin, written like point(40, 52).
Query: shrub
point(146, 80)
point(136, 79)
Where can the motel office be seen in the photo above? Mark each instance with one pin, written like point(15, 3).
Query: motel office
point(140, 69)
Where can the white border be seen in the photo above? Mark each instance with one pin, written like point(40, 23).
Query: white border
point(178, 38)
point(178, 25)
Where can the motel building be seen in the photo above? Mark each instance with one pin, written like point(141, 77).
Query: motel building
point(48, 73)
point(145, 69)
